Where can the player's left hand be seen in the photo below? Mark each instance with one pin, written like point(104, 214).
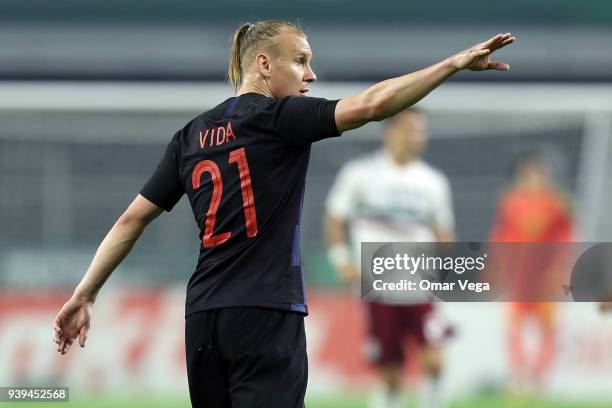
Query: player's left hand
point(476, 58)
point(71, 322)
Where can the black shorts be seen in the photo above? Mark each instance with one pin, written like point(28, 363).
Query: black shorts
point(246, 357)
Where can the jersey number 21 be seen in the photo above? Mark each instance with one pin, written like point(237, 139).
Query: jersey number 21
point(237, 156)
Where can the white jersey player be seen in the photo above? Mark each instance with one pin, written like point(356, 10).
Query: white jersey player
point(392, 195)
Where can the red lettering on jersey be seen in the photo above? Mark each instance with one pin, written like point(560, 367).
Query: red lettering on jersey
point(248, 199)
point(223, 136)
point(212, 137)
point(203, 138)
point(230, 132)
point(220, 140)
point(206, 166)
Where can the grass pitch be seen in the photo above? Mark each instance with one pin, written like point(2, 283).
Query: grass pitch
point(348, 401)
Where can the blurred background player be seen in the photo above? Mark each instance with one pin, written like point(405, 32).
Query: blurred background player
point(392, 195)
point(533, 209)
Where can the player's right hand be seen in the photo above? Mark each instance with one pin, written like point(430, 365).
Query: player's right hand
point(71, 322)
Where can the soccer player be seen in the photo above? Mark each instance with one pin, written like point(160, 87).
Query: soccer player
point(242, 165)
point(392, 195)
point(532, 210)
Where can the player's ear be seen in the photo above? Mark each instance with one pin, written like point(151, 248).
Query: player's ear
point(263, 65)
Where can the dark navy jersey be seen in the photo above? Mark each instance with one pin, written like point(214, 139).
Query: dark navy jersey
point(243, 167)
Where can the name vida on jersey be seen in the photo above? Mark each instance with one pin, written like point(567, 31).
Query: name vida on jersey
point(216, 136)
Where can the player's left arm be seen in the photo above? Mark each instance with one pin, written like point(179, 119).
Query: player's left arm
point(444, 219)
point(73, 319)
point(339, 208)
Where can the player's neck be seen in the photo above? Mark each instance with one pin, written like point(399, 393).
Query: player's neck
point(402, 160)
point(532, 184)
point(256, 86)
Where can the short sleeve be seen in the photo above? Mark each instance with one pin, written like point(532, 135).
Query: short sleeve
point(300, 120)
point(164, 188)
point(342, 198)
point(443, 208)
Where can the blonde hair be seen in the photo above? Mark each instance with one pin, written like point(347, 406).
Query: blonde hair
point(250, 37)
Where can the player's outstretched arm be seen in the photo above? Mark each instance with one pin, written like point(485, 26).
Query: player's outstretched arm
point(73, 319)
point(389, 97)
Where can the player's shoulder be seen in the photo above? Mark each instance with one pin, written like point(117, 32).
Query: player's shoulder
point(215, 113)
point(200, 120)
point(363, 163)
point(431, 172)
point(183, 133)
